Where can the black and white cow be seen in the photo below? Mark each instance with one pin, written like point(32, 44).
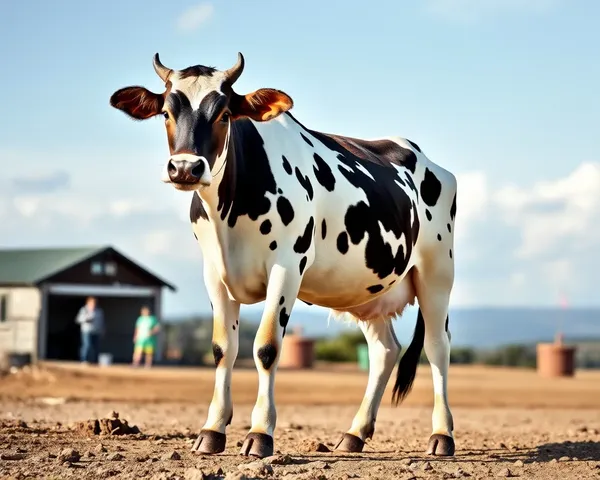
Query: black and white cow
point(284, 212)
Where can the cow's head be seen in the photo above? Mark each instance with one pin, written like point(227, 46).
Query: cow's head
point(199, 106)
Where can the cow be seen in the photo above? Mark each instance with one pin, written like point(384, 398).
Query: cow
point(282, 212)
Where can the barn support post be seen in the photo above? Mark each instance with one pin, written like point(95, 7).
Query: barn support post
point(42, 326)
point(158, 313)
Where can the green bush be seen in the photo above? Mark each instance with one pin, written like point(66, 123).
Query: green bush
point(339, 349)
point(462, 355)
point(512, 356)
point(344, 349)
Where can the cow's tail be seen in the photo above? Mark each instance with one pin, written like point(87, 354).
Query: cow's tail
point(407, 367)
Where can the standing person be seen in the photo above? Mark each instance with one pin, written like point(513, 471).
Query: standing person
point(144, 338)
point(91, 321)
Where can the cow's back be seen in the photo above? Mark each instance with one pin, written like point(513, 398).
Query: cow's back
point(363, 207)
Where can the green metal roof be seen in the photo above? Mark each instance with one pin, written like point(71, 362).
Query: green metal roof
point(30, 266)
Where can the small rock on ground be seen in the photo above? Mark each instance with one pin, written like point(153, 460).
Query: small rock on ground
point(69, 455)
point(309, 446)
point(174, 455)
point(116, 457)
point(194, 474)
point(279, 460)
point(236, 476)
point(12, 456)
point(256, 468)
point(460, 473)
point(504, 472)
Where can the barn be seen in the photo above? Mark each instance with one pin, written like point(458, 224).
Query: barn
point(41, 291)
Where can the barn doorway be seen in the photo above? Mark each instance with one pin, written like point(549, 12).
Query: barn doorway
point(63, 334)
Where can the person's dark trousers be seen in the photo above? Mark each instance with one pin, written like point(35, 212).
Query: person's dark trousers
point(89, 347)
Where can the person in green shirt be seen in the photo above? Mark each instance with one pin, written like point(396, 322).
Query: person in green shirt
point(144, 338)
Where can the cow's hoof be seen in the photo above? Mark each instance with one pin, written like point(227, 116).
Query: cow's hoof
point(350, 443)
point(441, 445)
point(257, 445)
point(209, 442)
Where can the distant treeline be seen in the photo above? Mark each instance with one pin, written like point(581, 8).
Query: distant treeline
point(189, 342)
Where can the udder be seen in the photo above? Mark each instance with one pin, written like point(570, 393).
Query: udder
point(390, 304)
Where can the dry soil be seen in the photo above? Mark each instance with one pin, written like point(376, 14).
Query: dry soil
point(508, 423)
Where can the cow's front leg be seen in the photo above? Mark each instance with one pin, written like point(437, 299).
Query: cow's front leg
point(225, 341)
point(282, 291)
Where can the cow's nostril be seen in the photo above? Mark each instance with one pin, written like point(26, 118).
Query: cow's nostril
point(172, 169)
point(198, 169)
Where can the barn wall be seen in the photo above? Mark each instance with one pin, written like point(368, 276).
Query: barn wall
point(19, 332)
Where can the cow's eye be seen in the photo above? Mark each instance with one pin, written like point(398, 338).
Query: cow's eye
point(225, 117)
point(166, 115)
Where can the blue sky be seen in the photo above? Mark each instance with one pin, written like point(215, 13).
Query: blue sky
point(504, 93)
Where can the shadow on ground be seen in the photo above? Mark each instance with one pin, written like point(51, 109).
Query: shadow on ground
point(589, 451)
point(546, 453)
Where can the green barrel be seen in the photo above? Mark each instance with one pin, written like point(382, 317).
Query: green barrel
point(362, 351)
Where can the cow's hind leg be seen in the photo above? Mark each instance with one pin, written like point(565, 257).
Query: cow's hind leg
point(384, 350)
point(433, 293)
point(225, 340)
point(282, 291)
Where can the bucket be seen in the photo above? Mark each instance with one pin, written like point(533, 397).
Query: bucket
point(297, 352)
point(362, 352)
point(555, 360)
point(105, 359)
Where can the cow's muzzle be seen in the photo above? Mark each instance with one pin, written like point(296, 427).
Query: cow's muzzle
point(187, 172)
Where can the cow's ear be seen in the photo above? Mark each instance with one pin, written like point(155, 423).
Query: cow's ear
point(261, 105)
point(137, 102)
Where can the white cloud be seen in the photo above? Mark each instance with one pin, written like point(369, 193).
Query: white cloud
point(42, 182)
point(128, 206)
point(195, 16)
point(26, 206)
point(472, 10)
point(156, 242)
point(526, 244)
point(553, 212)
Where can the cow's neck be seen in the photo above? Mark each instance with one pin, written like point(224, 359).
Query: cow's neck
point(242, 176)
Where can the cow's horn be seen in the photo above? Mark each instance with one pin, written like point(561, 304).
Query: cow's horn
point(162, 71)
point(234, 72)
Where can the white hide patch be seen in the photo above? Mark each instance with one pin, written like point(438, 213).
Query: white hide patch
point(196, 88)
point(364, 171)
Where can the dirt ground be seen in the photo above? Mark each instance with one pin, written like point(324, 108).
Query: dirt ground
point(508, 423)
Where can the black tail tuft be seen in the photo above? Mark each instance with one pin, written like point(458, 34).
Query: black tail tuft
point(407, 368)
